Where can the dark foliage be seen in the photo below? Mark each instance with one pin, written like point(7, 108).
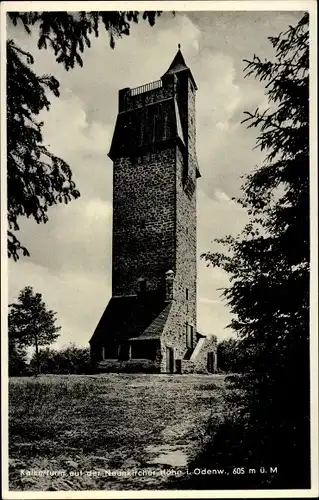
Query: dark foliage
point(130, 366)
point(17, 359)
point(232, 358)
point(70, 360)
point(37, 179)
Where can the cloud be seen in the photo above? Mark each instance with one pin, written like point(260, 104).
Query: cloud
point(67, 130)
point(97, 209)
point(217, 216)
point(213, 314)
point(205, 300)
point(221, 195)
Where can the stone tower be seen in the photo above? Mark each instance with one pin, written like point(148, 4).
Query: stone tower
point(151, 317)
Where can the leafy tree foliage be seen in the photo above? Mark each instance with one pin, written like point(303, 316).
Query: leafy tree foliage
point(37, 179)
point(17, 358)
point(30, 323)
point(268, 264)
point(232, 358)
point(70, 360)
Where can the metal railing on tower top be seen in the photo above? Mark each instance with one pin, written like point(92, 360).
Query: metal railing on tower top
point(147, 87)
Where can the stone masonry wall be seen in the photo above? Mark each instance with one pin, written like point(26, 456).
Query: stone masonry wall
point(191, 124)
point(173, 334)
point(143, 220)
point(184, 309)
point(154, 218)
point(199, 365)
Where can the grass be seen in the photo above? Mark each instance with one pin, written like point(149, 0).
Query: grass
point(104, 422)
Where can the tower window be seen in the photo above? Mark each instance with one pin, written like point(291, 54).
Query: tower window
point(189, 336)
point(186, 293)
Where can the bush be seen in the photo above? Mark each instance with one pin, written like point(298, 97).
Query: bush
point(233, 356)
point(17, 361)
point(70, 360)
point(130, 366)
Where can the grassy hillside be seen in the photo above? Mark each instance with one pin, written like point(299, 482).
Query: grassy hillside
point(76, 431)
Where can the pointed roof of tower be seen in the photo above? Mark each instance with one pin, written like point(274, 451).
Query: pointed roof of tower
point(178, 64)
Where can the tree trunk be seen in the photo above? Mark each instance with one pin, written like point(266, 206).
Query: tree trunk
point(37, 357)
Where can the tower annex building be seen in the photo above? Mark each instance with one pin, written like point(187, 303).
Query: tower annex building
point(151, 316)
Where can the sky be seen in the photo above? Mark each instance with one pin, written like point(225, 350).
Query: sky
point(70, 256)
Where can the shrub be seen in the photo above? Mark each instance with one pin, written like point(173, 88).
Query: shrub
point(233, 356)
point(70, 360)
point(17, 360)
point(130, 366)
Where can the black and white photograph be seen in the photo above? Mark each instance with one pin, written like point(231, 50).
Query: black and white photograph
point(159, 249)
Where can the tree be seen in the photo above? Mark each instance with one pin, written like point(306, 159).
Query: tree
point(30, 323)
point(37, 179)
point(268, 263)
